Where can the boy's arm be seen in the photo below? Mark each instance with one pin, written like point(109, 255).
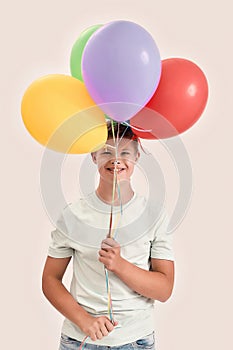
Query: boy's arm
point(156, 284)
point(63, 301)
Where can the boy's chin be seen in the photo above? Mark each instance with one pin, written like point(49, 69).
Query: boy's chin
point(120, 178)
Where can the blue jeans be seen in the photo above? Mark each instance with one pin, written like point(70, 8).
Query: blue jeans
point(147, 343)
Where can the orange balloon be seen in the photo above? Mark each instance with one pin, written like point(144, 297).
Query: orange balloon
point(59, 113)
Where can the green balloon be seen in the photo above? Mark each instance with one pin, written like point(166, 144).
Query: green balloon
point(77, 51)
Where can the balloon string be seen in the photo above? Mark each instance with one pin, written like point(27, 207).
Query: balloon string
point(112, 232)
point(110, 308)
point(113, 193)
point(147, 153)
point(113, 133)
point(138, 129)
point(116, 142)
point(82, 345)
point(117, 224)
point(123, 133)
point(119, 195)
point(113, 187)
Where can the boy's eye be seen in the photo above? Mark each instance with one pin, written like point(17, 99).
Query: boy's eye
point(125, 152)
point(106, 152)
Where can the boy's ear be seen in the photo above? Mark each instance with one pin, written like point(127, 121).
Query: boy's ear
point(137, 156)
point(93, 155)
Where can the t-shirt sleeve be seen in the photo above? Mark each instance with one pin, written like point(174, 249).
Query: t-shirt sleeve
point(59, 244)
point(161, 246)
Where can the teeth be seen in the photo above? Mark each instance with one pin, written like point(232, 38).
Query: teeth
point(117, 170)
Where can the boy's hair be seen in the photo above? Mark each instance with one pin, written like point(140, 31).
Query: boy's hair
point(121, 130)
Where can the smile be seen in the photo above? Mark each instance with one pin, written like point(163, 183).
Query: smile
point(118, 170)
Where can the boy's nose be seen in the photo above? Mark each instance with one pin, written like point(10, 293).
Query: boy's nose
point(115, 162)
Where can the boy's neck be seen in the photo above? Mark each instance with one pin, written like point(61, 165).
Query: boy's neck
point(104, 192)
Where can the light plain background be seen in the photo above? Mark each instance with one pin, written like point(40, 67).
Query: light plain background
point(36, 39)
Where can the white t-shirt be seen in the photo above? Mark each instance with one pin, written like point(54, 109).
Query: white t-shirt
point(80, 230)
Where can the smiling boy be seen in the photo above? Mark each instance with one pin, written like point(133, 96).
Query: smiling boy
point(140, 270)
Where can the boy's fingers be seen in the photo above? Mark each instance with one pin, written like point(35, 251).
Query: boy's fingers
point(109, 325)
point(103, 260)
point(104, 330)
point(99, 335)
point(103, 252)
point(93, 336)
point(109, 242)
point(105, 246)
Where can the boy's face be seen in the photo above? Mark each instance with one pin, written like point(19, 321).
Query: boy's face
point(122, 159)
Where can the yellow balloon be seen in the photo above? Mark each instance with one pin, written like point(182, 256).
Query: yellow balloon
point(59, 113)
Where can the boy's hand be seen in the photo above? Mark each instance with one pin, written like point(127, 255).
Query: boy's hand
point(97, 327)
point(110, 254)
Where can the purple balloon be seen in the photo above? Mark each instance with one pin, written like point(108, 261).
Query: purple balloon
point(121, 68)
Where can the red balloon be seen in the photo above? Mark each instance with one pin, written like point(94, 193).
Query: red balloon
point(149, 124)
point(180, 99)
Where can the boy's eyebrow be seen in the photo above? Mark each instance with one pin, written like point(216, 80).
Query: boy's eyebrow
point(123, 149)
point(117, 146)
point(108, 146)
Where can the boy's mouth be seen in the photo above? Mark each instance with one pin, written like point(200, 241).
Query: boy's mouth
point(118, 170)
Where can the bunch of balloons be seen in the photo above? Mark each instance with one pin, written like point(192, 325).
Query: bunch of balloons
point(116, 72)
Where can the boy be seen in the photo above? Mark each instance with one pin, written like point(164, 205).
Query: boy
point(139, 272)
